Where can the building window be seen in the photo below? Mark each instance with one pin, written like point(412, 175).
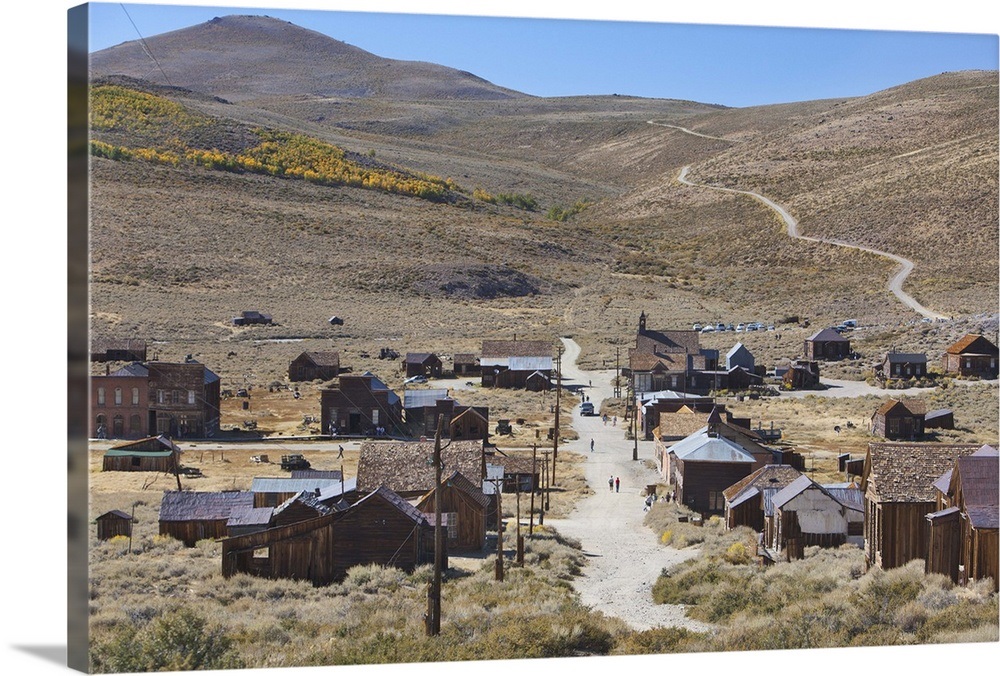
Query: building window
point(716, 501)
point(135, 396)
point(176, 396)
point(191, 397)
point(135, 424)
point(452, 520)
point(374, 416)
point(100, 396)
point(118, 396)
point(161, 397)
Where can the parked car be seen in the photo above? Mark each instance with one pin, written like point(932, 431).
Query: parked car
point(720, 327)
point(741, 327)
point(696, 327)
point(415, 379)
point(708, 329)
point(586, 408)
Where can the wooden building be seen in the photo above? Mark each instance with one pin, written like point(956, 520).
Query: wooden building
point(826, 345)
point(153, 454)
point(119, 403)
point(118, 349)
point(899, 420)
point(902, 366)
point(466, 364)
point(898, 487)
point(940, 419)
point(252, 317)
point(302, 506)
point(749, 501)
point(272, 491)
point(322, 365)
point(243, 520)
point(964, 543)
point(806, 514)
point(972, 355)
point(655, 406)
point(360, 405)
point(801, 375)
point(381, 529)
point(407, 468)
point(423, 408)
point(422, 364)
point(464, 508)
point(190, 516)
point(114, 523)
point(671, 360)
point(511, 363)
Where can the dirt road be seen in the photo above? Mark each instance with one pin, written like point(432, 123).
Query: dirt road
point(625, 556)
point(895, 283)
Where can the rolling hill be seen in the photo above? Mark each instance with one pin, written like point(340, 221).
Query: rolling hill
point(180, 246)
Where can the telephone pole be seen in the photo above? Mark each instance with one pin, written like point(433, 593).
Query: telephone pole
point(432, 620)
point(499, 564)
point(534, 489)
point(618, 372)
point(555, 436)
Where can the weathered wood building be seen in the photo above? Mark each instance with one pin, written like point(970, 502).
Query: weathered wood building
point(902, 366)
point(899, 419)
point(381, 529)
point(190, 516)
point(407, 468)
point(114, 523)
point(964, 541)
point(466, 364)
point(153, 454)
point(807, 514)
point(423, 408)
point(422, 364)
point(513, 363)
point(272, 491)
point(359, 405)
point(826, 345)
point(898, 487)
point(321, 365)
point(118, 349)
point(749, 501)
point(972, 355)
point(464, 507)
point(801, 375)
point(671, 360)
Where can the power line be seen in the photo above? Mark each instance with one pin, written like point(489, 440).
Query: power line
point(145, 46)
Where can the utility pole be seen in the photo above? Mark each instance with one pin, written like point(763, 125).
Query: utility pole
point(520, 539)
point(499, 565)
point(432, 620)
point(545, 489)
point(534, 489)
point(635, 431)
point(618, 386)
point(555, 436)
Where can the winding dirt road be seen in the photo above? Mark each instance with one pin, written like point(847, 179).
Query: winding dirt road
point(895, 283)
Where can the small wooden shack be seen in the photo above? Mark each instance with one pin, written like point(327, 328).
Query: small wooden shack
point(152, 454)
point(191, 516)
point(972, 355)
point(272, 491)
point(422, 364)
point(381, 529)
point(465, 364)
point(826, 345)
point(465, 507)
point(114, 523)
point(807, 514)
point(320, 365)
point(899, 419)
point(745, 500)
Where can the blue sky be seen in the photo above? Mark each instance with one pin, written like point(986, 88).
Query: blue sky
point(697, 59)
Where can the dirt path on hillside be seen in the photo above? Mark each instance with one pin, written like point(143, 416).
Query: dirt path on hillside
point(895, 283)
point(688, 131)
point(625, 557)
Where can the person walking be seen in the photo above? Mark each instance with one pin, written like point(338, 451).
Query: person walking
point(618, 482)
point(591, 445)
point(340, 452)
point(614, 421)
point(611, 483)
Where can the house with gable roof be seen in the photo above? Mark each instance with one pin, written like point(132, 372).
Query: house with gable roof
point(826, 345)
point(972, 355)
point(360, 405)
point(517, 364)
point(318, 365)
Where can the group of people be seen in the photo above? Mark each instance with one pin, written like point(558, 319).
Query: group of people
point(614, 420)
point(614, 483)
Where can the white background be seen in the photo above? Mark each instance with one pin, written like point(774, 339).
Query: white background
point(34, 254)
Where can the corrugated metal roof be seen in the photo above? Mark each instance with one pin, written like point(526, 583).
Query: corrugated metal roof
point(114, 513)
point(530, 363)
point(907, 358)
point(160, 444)
point(338, 489)
point(849, 496)
point(316, 474)
point(494, 361)
point(198, 506)
point(288, 485)
point(792, 490)
point(250, 516)
point(750, 492)
point(704, 448)
point(827, 336)
point(950, 511)
point(422, 398)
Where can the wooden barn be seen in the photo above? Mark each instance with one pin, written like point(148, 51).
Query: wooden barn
point(381, 529)
point(807, 514)
point(512, 363)
point(898, 487)
point(114, 523)
point(406, 467)
point(899, 419)
point(422, 364)
point(153, 454)
point(973, 355)
point(748, 501)
point(190, 516)
point(322, 365)
point(464, 507)
point(964, 542)
point(466, 364)
point(826, 345)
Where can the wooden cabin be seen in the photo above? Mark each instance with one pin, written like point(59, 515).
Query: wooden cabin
point(152, 454)
point(360, 405)
point(898, 487)
point(940, 419)
point(826, 345)
point(801, 375)
point(272, 491)
point(964, 541)
point(464, 507)
point(466, 364)
point(114, 523)
point(190, 516)
point(118, 349)
point(321, 365)
point(902, 366)
point(422, 364)
point(807, 514)
point(381, 529)
point(899, 419)
point(745, 500)
point(973, 355)
point(512, 363)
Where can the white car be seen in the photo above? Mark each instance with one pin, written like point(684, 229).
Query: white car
point(415, 379)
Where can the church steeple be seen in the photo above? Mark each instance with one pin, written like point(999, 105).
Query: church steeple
point(642, 322)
